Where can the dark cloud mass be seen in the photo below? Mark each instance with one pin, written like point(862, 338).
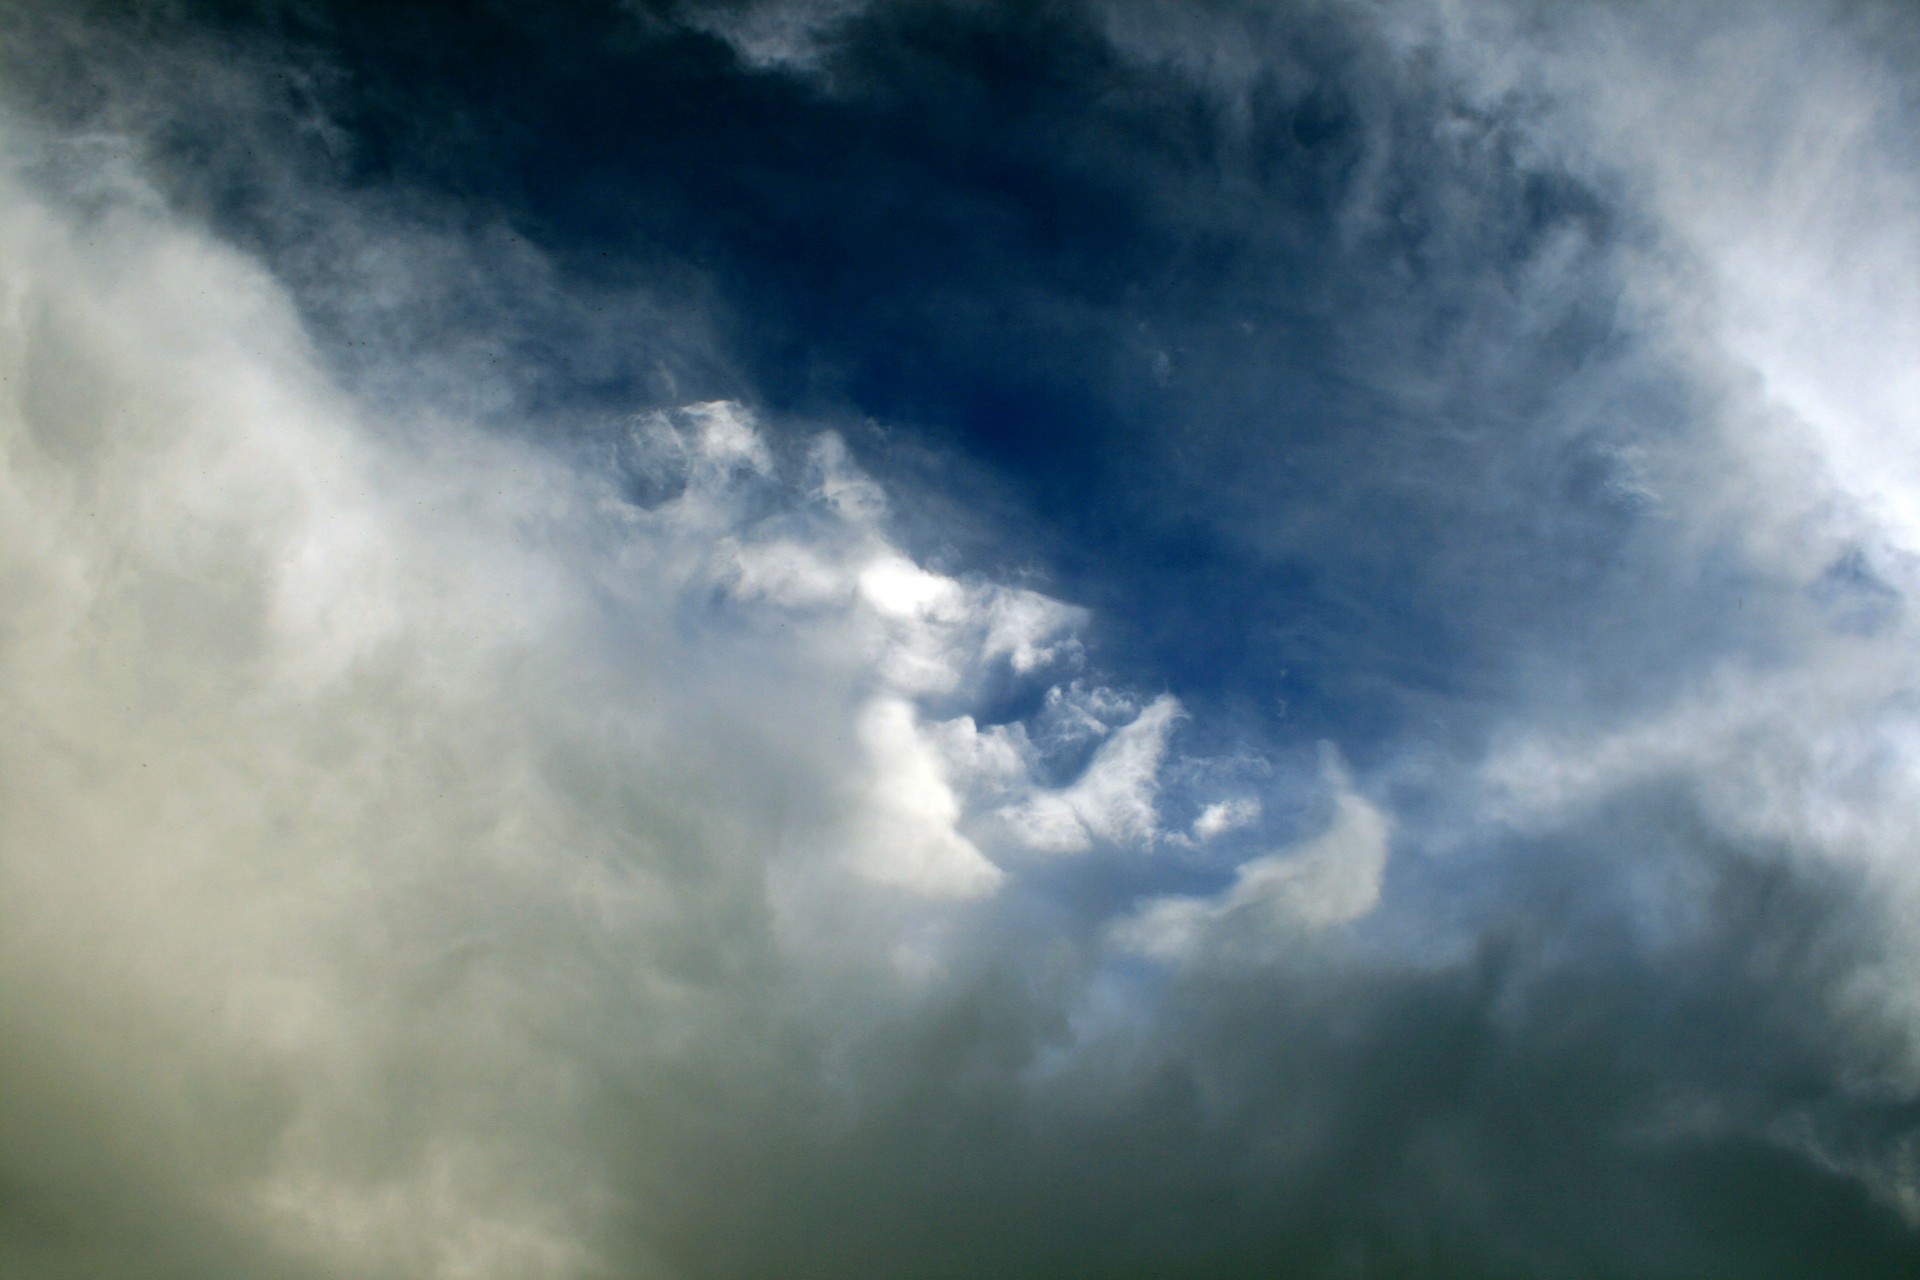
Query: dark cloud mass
point(874, 638)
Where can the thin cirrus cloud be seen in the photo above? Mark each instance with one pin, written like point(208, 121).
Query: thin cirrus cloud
point(538, 750)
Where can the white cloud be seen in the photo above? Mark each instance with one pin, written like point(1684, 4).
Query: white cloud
point(1792, 222)
point(908, 834)
point(1329, 879)
point(1223, 816)
point(1113, 799)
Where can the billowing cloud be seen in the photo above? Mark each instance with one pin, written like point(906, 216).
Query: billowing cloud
point(1227, 641)
point(1333, 878)
point(404, 788)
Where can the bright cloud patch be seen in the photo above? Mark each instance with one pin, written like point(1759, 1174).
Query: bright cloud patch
point(1329, 879)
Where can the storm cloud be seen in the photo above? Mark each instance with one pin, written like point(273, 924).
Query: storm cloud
point(944, 638)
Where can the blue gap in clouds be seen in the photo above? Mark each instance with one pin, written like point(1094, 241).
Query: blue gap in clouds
point(993, 235)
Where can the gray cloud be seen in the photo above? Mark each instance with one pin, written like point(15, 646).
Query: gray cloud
point(442, 840)
point(396, 814)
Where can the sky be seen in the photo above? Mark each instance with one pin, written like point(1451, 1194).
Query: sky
point(711, 639)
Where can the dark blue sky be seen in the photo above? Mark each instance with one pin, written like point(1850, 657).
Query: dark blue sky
point(1269, 383)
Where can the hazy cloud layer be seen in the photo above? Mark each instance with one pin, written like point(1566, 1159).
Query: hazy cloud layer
point(1109, 639)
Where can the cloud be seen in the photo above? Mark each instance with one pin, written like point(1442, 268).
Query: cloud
point(366, 776)
point(1113, 799)
point(468, 808)
point(1331, 879)
point(784, 35)
point(1223, 816)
